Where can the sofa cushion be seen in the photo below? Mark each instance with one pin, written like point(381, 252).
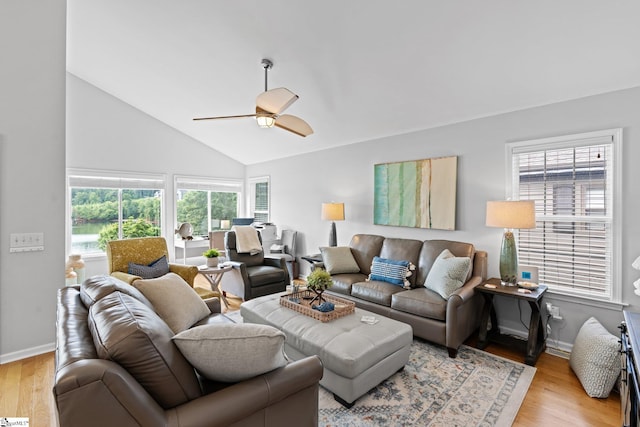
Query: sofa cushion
point(392, 271)
point(342, 283)
point(375, 291)
point(448, 274)
point(422, 302)
point(338, 260)
point(133, 335)
point(97, 287)
point(364, 247)
point(174, 300)
point(157, 268)
point(232, 352)
point(595, 358)
point(431, 249)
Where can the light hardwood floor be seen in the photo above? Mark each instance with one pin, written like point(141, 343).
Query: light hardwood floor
point(555, 397)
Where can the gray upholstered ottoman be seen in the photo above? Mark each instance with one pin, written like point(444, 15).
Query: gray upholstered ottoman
point(356, 356)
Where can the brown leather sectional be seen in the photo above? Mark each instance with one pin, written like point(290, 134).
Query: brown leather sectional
point(160, 388)
point(446, 322)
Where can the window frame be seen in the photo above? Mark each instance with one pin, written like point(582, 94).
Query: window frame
point(251, 196)
point(614, 294)
point(92, 178)
point(202, 183)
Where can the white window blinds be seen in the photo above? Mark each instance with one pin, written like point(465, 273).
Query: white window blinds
point(571, 182)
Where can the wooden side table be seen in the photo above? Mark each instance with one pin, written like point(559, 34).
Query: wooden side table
point(536, 341)
point(214, 276)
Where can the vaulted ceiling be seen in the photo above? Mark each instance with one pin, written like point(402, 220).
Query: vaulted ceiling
point(362, 69)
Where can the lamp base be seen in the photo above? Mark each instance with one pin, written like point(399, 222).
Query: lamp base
point(333, 240)
point(509, 260)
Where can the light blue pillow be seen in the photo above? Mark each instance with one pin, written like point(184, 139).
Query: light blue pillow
point(391, 271)
point(447, 274)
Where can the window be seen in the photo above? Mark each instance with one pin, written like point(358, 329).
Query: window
point(259, 201)
point(207, 204)
point(574, 181)
point(107, 206)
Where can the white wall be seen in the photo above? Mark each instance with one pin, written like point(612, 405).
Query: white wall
point(32, 127)
point(106, 133)
point(300, 184)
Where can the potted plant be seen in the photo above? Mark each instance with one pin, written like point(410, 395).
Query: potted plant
point(212, 257)
point(319, 281)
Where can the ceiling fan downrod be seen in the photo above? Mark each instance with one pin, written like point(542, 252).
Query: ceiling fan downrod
point(267, 65)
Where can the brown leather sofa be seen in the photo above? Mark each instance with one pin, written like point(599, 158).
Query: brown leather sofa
point(94, 391)
point(446, 322)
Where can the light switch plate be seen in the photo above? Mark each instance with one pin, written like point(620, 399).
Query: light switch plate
point(26, 242)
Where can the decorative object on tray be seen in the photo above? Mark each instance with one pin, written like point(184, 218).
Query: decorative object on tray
point(528, 285)
point(319, 281)
point(301, 302)
point(185, 231)
point(212, 257)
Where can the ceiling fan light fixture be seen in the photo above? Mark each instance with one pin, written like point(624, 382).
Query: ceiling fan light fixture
point(265, 121)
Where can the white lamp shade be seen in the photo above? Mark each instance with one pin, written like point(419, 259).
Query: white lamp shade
point(636, 263)
point(511, 214)
point(333, 211)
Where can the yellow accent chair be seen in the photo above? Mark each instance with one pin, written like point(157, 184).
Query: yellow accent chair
point(145, 250)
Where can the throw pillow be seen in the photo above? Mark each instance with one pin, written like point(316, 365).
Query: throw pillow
point(232, 352)
point(447, 274)
point(595, 359)
point(339, 260)
point(391, 271)
point(97, 287)
point(157, 268)
point(174, 300)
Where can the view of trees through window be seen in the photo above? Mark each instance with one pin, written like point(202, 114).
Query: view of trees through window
point(205, 210)
point(102, 214)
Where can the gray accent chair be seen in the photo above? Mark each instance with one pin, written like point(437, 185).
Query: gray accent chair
point(260, 274)
point(287, 252)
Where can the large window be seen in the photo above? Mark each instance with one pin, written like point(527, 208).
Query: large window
point(259, 198)
point(574, 182)
point(207, 204)
point(106, 206)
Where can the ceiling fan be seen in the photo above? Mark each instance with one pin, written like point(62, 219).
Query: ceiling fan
point(269, 107)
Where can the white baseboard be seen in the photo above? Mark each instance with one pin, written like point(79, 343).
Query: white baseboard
point(28, 352)
point(554, 347)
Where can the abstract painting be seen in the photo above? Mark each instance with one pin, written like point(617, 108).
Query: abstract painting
point(419, 193)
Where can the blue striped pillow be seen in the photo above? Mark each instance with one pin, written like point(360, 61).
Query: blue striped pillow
point(390, 271)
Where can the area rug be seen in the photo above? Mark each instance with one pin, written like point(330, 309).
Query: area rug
point(474, 389)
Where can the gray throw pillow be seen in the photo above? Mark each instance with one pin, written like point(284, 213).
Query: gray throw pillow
point(174, 300)
point(447, 274)
point(595, 359)
point(339, 260)
point(232, 352)
point(157, 268)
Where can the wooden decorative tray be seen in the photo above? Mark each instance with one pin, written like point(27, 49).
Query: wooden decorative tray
point(342, 306)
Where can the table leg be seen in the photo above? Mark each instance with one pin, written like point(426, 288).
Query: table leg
point(488, 311)
point(214, 280)
point(535, 342)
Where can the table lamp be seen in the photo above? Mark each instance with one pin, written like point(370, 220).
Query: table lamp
point(509, 215)
point(333, 212)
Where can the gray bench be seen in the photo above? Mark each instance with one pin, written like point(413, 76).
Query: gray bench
point(356, 356)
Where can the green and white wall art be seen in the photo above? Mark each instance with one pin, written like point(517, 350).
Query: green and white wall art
point(418, 193)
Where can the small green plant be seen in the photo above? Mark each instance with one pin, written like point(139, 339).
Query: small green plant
point(319, 280)
point(211, 253)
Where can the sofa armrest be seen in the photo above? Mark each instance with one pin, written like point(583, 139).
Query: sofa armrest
point(187, 272)
point(99, 393)
point(125, 277)
point(241, 400)
point(214, 305)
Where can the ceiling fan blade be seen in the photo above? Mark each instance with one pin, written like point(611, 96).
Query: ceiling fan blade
point(225, 117)
point(276, 100)
point(294, 124)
